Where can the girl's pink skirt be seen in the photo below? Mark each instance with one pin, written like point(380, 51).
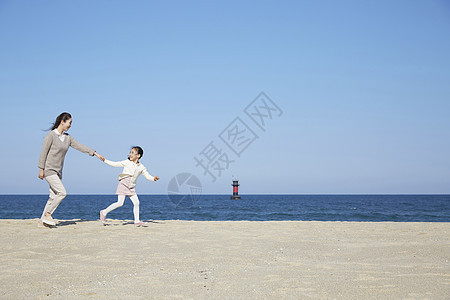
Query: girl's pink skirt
point(123, 187)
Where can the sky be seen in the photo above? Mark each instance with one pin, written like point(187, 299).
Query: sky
point(355, 94)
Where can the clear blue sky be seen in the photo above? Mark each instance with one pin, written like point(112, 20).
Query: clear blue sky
point(364, 87)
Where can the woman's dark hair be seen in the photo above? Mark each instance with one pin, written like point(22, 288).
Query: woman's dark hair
point(61, 118)
point(139, 150)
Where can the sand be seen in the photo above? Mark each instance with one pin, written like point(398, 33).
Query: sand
point(224, 260)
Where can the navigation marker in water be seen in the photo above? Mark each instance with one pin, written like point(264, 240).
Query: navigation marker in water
point(235, 190)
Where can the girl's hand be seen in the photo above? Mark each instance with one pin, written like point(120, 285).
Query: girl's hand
point(41, 174)
point(101, 157)
point(156, 178)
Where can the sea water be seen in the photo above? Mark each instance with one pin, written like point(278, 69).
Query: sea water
point(361, 208)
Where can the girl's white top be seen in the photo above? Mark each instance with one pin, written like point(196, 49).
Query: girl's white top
point(130, 169)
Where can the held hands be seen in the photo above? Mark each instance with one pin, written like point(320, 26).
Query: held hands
point(101, 157)
point(156, 178)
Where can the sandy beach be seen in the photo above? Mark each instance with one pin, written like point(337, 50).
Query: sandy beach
point(224, 260)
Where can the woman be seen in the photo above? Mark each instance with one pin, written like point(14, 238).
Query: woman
point(54, 149)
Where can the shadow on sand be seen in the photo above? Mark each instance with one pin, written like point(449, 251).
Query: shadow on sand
point(132, 223)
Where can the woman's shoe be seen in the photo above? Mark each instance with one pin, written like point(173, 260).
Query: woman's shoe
point(43, 225)
point(48, 220)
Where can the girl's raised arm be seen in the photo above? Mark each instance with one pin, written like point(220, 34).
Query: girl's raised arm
point(114, 163)
point(148, 176)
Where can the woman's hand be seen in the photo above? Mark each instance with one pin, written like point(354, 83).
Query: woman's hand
point(101, 157)
point(156, 178)
point(41, 174)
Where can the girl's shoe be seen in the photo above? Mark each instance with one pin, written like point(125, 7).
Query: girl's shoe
point(140, 223)
point(102, 217)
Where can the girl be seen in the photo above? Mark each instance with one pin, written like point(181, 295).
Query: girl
point(51, 161)
point(127, 181)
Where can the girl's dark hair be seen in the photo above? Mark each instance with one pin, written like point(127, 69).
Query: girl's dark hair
point(61, 118)
point(139, 150)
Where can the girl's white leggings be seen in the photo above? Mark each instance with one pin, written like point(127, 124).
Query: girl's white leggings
point(119, 203)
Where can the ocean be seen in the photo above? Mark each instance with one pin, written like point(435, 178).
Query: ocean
point(359, 208)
